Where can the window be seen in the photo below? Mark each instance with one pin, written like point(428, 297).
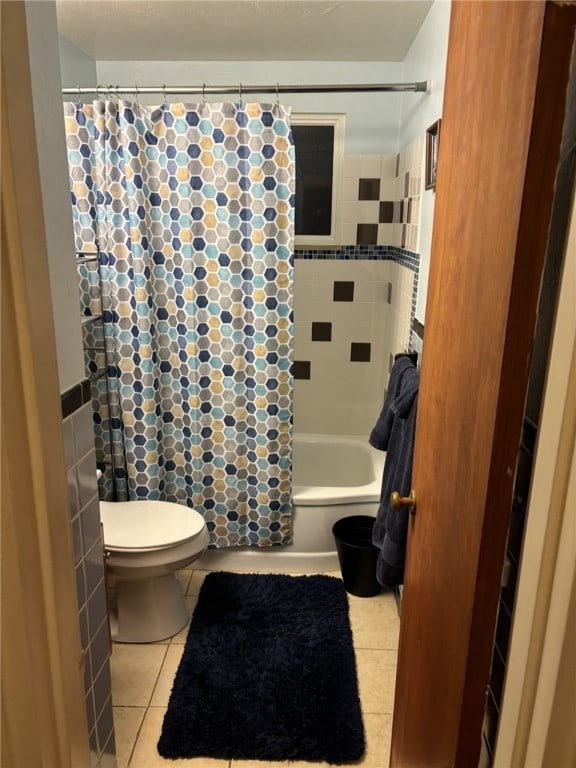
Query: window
point(319, 143)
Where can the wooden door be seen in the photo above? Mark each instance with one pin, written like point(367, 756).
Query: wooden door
point(501, 126)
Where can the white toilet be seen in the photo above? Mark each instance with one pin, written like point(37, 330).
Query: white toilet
point(145, 542)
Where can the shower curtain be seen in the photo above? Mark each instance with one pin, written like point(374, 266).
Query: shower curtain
point(191, 208)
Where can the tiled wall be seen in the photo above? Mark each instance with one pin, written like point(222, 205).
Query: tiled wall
point(381, 198)
point(352, 314)
point(89, 568)
point(354, 305)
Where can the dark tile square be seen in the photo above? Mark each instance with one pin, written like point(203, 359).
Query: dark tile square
point(321, 331)
point(360, 352)
point(406, 184)
point(343, 290)
point(397, 166)
point(389, 296)
point(301, 369)
point(403, 235)
point(71, 400)
point(409, 214)
point(366, 234)
point(386, 212)
point(368, 189)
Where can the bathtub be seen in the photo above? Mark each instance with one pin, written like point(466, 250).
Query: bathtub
point(333, 476)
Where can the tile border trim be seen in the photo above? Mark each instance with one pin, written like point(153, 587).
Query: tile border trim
point(75, 397)
point(402, 256)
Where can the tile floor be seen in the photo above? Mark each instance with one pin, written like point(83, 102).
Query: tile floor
point(142, 677)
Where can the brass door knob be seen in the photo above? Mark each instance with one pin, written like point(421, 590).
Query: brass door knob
point(398, 502)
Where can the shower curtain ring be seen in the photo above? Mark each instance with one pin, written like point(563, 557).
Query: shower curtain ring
point(203, 93)
point(164, 94)
point(79, 105)
point(277, 96)
point(137, 97)
point(240, 93)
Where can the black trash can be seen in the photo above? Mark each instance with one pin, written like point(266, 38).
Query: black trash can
point(357, 554)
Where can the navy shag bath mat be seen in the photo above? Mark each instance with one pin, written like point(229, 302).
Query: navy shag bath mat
point(268, 673)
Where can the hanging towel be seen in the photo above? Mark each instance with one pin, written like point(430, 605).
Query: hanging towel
point(394, 433)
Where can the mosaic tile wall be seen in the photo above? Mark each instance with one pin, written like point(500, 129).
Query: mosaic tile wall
point(381, 198)
point(89, 569)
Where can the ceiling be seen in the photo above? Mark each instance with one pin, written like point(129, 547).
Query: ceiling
point(238, 30)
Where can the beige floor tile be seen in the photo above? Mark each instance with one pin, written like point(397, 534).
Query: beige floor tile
point(127, 721)
point(134, 670)
point(180, 638)
point(196, 582)
point(378, 731)
point(374, 621)
point(146, 753)
point(184, 577)
point(166, 677)
point(376, 680)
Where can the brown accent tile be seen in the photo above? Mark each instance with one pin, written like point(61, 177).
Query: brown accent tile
point(301, 369)
point(360, 352)
point(386, 212)
point(343, 290)
point(321, 331)
point(367, 234)
point(368, 189)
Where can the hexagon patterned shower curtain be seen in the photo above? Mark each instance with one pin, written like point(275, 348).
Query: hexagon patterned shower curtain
point(192, 209)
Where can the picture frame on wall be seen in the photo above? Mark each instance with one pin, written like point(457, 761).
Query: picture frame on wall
point(432, 149)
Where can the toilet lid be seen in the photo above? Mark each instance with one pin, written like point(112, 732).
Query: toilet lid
point(148, 524)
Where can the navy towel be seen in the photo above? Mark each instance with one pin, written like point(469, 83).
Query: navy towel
point(394, 433)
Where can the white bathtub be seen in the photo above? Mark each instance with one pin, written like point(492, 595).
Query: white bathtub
point(333, 477)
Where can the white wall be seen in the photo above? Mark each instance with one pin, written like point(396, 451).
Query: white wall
point(426, 60)
point(372, 120)
point(77, 68)
point(53, 165)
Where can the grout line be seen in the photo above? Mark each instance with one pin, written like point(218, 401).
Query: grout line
point(131, 755)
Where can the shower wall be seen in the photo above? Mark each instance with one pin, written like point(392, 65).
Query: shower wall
point(354, 305)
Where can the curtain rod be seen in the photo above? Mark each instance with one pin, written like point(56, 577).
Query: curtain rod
point(240, 89)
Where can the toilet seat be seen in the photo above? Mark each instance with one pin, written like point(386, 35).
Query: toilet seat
point(148, 525)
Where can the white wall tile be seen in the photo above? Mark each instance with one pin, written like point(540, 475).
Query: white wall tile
point(348, 233)
point(388, 189)
point(350, 211)
point(388, 167)
point(368, 211)
point(305, 269)
point(370, 166)
point(386, 234)
point(349, 188)
point(351, 166)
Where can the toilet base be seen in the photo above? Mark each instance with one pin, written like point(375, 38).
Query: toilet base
point(148, 610)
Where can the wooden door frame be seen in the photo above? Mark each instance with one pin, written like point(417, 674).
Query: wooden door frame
point(540, 678)
point(505, 59)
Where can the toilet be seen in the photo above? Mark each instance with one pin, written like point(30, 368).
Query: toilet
point(145, 543)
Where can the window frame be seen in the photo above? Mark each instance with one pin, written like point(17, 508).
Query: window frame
point(338, 121)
